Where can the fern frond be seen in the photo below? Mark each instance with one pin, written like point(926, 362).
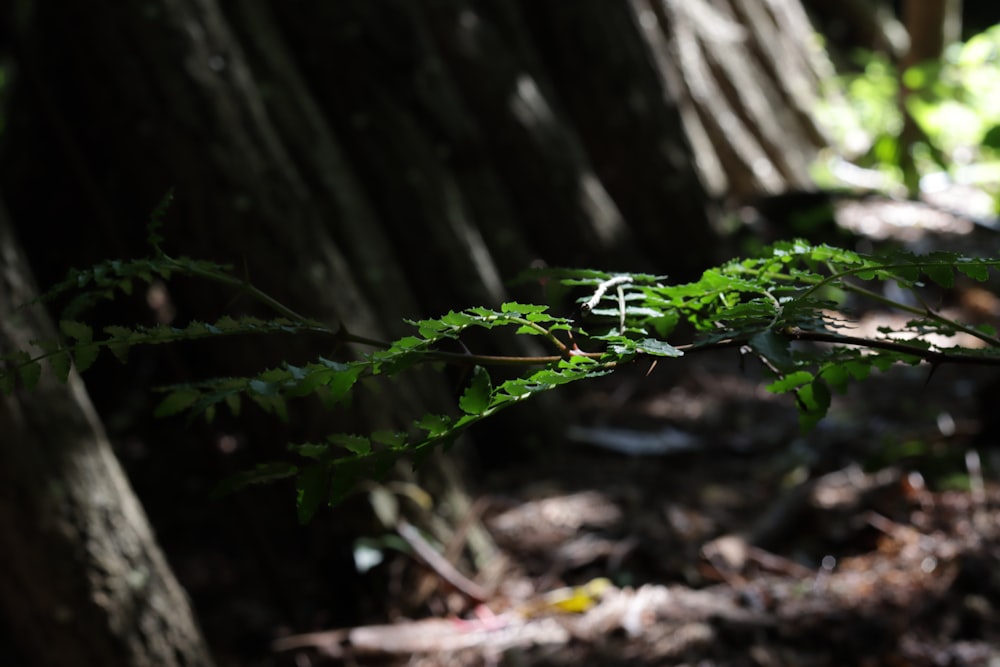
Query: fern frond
point(154, 230)
point(766, 306)
point(80, 346)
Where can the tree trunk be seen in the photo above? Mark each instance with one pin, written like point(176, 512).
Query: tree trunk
point(84, 582)
point(865, 24)
point(747, 77)
point(369, 161)
point(931, 24)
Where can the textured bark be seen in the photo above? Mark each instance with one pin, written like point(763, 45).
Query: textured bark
point(365, 161)
point(261, 179)
point(368, 161)
point(748, 78)
point(84, 582)
point(628, 119)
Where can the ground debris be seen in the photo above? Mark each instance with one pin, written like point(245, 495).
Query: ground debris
point(850, 546)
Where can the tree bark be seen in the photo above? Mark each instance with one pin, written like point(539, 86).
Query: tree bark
point(747, 78)
point(84, 582)
point(931, 24)
point(369, 161)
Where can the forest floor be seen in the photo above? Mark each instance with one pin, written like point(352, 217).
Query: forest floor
point(872, 540)
point(683, 520)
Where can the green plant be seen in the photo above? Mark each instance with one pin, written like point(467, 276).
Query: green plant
point(777, 306)
point(955, 103)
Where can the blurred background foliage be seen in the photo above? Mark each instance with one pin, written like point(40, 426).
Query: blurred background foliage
point(954, 101)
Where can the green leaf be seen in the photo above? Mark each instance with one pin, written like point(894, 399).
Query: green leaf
point(435, 425)
point(85, 356)
point(790, 381)
point(272, 405)
point(342, 380)
point(859, 370)
point(60, 362)
point(521, 308)
point(234, 403)
point(975, 271)
point(837, 376)
point(814, 402)
point(30, 373)
point(118, 341)
point(263, 388)
point(991, 138)
point(355, 444)
point(657, 348)
point(942, 275)
point(262, 473)
point(408, 343)
point(311, 490)
point(310, 450)
point(884, 361)
point(665, 325)
point(775, 348)
point(476, 397)
point(347, 472)
point(176, 401)
point(987, 329)
point(391, 439)
point(480, 314)
point(7, 381)
point(76, 330)
point(155, 227)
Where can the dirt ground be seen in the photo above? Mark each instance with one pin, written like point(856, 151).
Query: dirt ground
point(676, 518)
point(870, 541)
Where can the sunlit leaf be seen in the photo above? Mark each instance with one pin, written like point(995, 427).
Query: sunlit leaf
point(435, 425)
point(657, 348)
point(814, 401)
point(476, 397)
point(790, 381)
point(522, 308)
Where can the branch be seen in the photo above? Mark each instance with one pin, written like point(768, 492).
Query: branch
point(927, 311)
point(932, 356)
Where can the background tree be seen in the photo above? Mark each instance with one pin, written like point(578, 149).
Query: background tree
point(84, 580)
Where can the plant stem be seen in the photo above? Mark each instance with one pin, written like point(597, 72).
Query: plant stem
point(544, 332)
point(993, 341)
point(246, 286)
